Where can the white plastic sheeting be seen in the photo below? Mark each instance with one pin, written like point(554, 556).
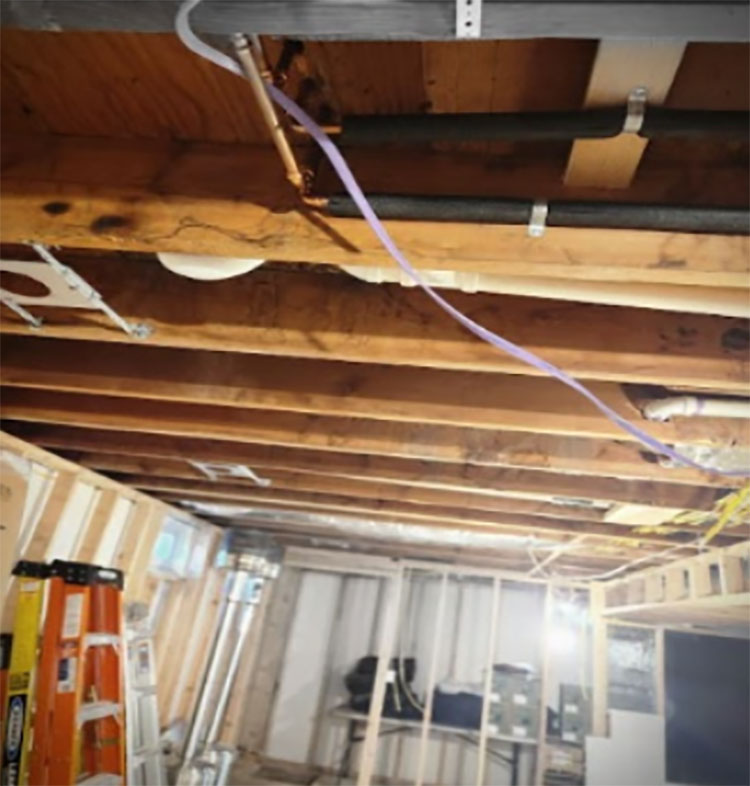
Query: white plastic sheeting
point(337, 621)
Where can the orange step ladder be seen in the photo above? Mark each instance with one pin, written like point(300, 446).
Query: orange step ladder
point(79, 719)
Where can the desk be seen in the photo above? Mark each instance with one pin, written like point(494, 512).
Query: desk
point(390, 725)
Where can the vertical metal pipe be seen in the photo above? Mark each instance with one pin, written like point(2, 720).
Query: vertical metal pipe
point(246, 621)
point(234, 596)
point(252, 74)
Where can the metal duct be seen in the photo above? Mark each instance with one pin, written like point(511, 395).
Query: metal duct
point(610, 215)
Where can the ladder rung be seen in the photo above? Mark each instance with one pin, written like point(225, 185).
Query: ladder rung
point(94, 710)
point(102, 639)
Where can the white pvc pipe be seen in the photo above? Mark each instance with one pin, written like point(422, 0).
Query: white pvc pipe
point(693, 406)
point(721, 301)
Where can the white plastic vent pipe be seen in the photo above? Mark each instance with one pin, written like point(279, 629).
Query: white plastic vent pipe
point(721, 301)
point(692, 406)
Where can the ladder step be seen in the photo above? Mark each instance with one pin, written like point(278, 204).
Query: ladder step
point(94, 710)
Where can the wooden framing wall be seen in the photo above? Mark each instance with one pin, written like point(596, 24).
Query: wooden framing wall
point(179, 646)
point(264, 682)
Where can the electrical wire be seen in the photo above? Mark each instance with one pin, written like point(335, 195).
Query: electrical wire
point(199, 47)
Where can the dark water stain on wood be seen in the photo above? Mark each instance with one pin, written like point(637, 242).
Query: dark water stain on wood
point(109, 222)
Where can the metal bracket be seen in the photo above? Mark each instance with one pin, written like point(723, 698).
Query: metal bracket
point(538, 218)
point(468, 18)
point(636, 111)
point(8, 300)
point(85, 290)
point(214, 470)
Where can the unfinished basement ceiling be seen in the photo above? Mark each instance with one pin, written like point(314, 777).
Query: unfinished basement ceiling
point(364, 402)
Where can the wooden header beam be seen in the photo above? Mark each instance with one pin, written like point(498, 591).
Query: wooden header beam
point(223, 204)
point(720, 20)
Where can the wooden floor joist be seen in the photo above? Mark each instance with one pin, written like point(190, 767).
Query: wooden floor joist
point(506, 498)
point(336, 317)
point(300, 393)
point(373, 488)
point(512, 492)
point(332, 433)
point(223, 205)
point(572, 455)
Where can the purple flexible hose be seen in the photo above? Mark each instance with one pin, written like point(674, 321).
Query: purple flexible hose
point(339, 164)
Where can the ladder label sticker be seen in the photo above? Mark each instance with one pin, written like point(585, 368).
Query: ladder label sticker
point(73, 616)
point(29, 586)
point(14, 733)
point(66, 675)
point(143, 661)
point(18, 683)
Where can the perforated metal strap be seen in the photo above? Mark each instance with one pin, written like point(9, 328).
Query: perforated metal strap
point(468, 18)
point(9, 301)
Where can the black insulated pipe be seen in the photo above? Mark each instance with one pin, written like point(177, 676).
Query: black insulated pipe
point(604, 215)
point(531, 126)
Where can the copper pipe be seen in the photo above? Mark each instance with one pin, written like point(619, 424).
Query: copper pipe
point(252, 72)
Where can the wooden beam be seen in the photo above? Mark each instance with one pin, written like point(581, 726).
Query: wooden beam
point(315, 387)
point(93, 529)
point(621, 66)
point(336, 317)
point(531, 451)
point(600, 643)
point(356, 436)
point(502, 498)
point(512, 403)
point(438, 516)
point(62, 487)
point(722, 20)
point(405, 491)
point(563, 414)
point(14, 484)
point(242, 207)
